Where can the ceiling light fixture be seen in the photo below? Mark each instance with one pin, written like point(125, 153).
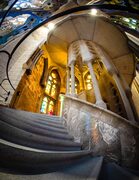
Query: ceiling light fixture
point(94, 12)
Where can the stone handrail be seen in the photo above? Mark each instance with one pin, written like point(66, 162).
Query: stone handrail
point(103, 131)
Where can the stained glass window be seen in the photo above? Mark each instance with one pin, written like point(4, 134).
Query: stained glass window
point(88, 81)
point(127, 22)
point(29, 4)
point(44, 105)
point(54, 75)
point(52, 84)
point(76, 86)
point(11, 23)
point(52, 92)
point(51, 107)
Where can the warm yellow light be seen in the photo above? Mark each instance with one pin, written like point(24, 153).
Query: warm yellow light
point(89, 77)
point(51, 26)
point(88, 80)
point(50, 78)
point(89, 86)
point(94, 12)
point(53, 75)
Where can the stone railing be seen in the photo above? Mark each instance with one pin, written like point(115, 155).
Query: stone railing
point(82, 95)
point(102, 131)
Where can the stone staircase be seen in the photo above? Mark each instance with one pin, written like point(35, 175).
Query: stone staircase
point(36, 146)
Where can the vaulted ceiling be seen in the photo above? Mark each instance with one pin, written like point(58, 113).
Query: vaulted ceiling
point(95, 29)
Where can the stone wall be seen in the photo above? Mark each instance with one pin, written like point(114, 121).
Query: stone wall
point(21, 56)
point(135, 93)
point(102, 131)
point(29, 93)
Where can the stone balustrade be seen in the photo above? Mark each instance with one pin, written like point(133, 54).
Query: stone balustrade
point(102, 131)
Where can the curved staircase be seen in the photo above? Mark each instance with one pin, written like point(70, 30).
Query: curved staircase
point(36, 147)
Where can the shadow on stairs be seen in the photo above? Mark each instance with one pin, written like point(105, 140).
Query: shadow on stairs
point(38, 147)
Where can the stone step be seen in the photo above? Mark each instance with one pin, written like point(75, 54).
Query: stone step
point(29, 139)
point(35, 116)
point(50, 128)
point(48, 123)
point(33, 128)
point(41, 117)
point(21, 159)
point(84, 168)
point(27, 116)
point(112, 171)
point(15, 118)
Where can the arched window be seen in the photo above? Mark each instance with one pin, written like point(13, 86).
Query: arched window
point(51, 107)
point(51, 93)
point(44, 105)
point(76, 86)
point(52, 87)
point(88, 82)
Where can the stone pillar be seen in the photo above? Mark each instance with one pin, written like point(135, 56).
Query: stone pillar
point(87, 57)
point(71, 61)
point(72, 79)
point(68, 81)
point(98, 97)
point(112, 70)
point(82, 81)
point(124, 98)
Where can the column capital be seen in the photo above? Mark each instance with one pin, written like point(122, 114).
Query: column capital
point(89, 61)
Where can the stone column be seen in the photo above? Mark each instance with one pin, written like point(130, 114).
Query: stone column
point(68, 81)
point(82, 80)
point(112, 70)
point(98, 97)
point(124, 98)
point(72, 79)
point(87, 57)
point(71, 61)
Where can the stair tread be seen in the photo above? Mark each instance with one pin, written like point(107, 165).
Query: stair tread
point(34, 128)
point(56, 119)
point(14, 118)
point(21, 157)
point(81, 170)
point(17, 122)
point(82, 163)
point(22, 130)
point(20, 136)
point(114, 172)
point(26, 117)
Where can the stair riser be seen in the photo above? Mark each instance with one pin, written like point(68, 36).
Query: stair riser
point(11, 133)
point(30, 127)
point(47, 123)
point(21, 160)
point(41, 132)
point(34, 116)
point(28, 119)
point(38, 126)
